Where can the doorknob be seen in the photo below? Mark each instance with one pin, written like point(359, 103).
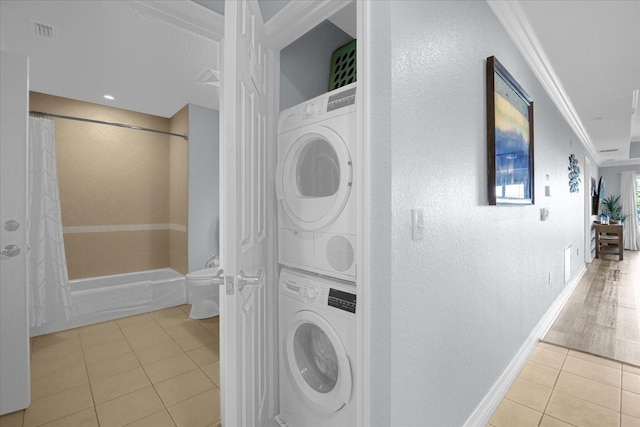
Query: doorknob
point(11, 225)
point(248, 280)
point(10, 250)
point(227, 280)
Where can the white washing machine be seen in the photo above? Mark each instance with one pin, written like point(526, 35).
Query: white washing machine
point(315, 184)
point(317, 351)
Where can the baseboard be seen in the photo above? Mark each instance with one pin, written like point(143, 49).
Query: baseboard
point(483, 412)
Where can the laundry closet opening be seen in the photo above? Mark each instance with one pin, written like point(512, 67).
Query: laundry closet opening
point(316, 189)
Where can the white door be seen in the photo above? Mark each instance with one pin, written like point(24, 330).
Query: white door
point(14, 321)
point(247, 312)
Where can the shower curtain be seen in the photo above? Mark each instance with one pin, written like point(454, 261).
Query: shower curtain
point(49, 293)
point(631, 231)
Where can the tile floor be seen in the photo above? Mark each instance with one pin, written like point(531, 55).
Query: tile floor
point(155, 369)
point(162, 369)
point(558, 387)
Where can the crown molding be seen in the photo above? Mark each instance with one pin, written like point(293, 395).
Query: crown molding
point(615, 163)
point(187, 15)
point(297, 17)
point(514, 21)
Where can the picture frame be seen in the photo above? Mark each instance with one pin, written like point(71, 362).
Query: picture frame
point(509, 138)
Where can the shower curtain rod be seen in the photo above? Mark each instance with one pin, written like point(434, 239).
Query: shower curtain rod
point(58, 116)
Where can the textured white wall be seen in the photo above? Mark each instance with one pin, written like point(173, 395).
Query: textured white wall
point(204, 185)
point(450, 312)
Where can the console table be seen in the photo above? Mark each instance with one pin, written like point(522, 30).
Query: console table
point(609, 240)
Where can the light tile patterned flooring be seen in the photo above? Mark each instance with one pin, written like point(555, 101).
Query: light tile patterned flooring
point(155, 369)
point(162, 369)
point(558, 387)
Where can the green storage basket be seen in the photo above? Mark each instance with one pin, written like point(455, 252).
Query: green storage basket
point(343, 66)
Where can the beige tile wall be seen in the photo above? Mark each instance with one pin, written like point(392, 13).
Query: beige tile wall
point(178, 251)
point(101, 254)
point(112, 176)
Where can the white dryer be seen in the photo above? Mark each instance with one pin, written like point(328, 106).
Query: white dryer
point(315, 184)
point(317, 351)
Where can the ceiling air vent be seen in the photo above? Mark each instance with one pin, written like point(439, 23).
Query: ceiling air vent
point(610, 150)
point(45, 31)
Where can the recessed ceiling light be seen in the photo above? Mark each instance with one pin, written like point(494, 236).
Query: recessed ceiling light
point(109, 97)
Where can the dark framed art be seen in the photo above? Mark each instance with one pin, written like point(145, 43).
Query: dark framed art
point(509, 138)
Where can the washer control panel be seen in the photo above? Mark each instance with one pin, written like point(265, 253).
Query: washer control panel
point(342, 300)
point(318, 291)
point(305, 290)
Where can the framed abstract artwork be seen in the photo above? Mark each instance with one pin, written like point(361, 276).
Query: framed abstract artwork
point(509, 138)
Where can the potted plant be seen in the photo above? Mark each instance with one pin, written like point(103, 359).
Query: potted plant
point(611, 207)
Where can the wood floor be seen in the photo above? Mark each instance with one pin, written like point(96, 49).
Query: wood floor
point(602, 316)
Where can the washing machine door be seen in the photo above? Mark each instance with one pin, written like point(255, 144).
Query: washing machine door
point(314, 178)
point(317, 362)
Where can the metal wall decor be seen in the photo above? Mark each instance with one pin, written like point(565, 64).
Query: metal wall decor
point(574, 174)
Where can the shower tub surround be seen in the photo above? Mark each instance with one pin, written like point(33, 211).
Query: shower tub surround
point(98, 299)
point(123, 192)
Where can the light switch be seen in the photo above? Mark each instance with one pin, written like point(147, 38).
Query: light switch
point(544, 214)
point(417, 221)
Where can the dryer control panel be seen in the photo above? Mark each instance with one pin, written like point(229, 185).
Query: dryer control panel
point(341, 99)
point(331, 104)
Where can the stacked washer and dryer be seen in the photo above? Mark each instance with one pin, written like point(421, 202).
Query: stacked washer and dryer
point(316, 248)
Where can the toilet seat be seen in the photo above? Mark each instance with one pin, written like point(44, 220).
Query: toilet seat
point(207, 273)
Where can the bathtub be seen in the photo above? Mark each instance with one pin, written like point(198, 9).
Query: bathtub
point(98, 299)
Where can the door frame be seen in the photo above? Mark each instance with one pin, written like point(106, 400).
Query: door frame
point(588, 224)
point(294, 20)
point(15, 372)
point(363, 154)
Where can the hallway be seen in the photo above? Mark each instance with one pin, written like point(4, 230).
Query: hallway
point(602, 316)
point(586, 372)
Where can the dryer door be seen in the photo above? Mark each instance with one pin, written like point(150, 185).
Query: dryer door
point(317, 362)
point(314, 179)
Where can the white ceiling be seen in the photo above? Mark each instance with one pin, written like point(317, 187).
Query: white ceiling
point(122, 48)
point(594, 49)
point(154, 57)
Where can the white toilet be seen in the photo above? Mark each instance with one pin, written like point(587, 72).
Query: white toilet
point(202, 287)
